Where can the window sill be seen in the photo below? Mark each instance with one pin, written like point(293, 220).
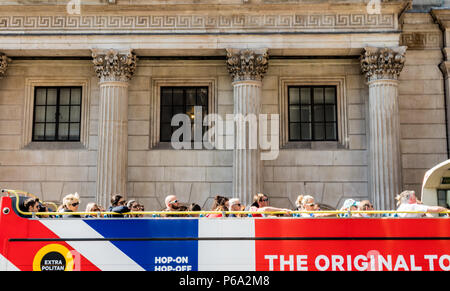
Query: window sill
point(45, 145)
point(314, 145)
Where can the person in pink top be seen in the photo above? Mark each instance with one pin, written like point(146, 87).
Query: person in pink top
point(261, 204)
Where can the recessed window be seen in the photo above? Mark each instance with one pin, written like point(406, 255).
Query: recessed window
point(57, 114)
point(175, 100)
point(312, 112)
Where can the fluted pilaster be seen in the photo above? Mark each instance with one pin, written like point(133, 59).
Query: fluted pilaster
point(114, 70)
point(247, 69)
point(382, 66)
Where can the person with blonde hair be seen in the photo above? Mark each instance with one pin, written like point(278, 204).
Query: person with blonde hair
point(407, 201)
point(93, 207)
point(70, 204)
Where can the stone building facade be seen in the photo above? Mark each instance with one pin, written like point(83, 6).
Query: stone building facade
point(387, 64)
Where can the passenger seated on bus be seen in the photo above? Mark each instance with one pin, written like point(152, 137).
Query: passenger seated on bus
point(235, 205)
point(349, 205)
point(221, 203)
point(118, 205)
point(31, 205)
point(172, 204)
point(261, 204)
point(308, 204)
point(364, 205)
point(93, 207)
point(71, 203)
point(194, 207)
point(407, 201)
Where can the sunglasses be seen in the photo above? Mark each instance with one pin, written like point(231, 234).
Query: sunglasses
point(75, 204)
point(265, 199)
point(309, 204)
point(173, 202)
point(121, 202)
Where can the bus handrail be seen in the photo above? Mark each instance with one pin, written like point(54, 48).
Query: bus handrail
point(164, 213)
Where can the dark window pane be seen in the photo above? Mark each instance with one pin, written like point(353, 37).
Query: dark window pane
point(318, 113)
point(51, 114)
point(64, 113)
point(319, 131)
point(330, 131)
point(75, 96)
point(166, 96)
point(50, 129)
point(294, 113)
point(202, 96)
point(166, 114)
point(306, 113)
point(75, 113)
point(41, 95)
point(64, 96)
point(306, 131)
point(74, 132)
point(294, 97)
point(166, 131)
point(294, 131)
point(63, 131)
point(177, 98)
point(330, 96)
point(39, 131)
point(52, 94)
point(190, 96)
point(305, 95)
point(178, 109)
point(39, 114)
point(330, 113)
point(318, 95)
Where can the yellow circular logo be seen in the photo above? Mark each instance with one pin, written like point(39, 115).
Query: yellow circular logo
point(53, 257)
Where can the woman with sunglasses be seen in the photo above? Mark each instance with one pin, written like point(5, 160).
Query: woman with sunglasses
point(261, 204)
point(71, 203)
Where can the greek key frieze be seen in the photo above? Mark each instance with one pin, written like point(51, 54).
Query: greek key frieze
point(191, 22)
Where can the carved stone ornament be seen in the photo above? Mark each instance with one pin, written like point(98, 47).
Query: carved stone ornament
point(382, 63)
point(113, 65)
point(4, 60)
point(246, 64)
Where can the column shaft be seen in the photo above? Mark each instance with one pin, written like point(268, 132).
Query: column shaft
point(112, 159)
point(385, 163)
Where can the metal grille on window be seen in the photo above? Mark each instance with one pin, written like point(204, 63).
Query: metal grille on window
point(175, 100)
point(312, 113)
point(57, 114)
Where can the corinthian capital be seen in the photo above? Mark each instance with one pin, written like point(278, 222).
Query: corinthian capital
point(382, 63)
point(4, 60)
point(113, 65)
point(247, 64)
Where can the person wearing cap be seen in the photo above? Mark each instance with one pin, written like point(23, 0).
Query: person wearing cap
point(349, 205)
point(407, 201)
point(235, 205)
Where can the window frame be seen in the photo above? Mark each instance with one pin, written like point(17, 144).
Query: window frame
point(57, 122)
point(343, 140)
point(312, 120)
point(28, 115)
point(185, 106)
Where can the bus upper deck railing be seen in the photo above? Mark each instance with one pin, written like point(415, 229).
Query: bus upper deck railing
point(293, 213)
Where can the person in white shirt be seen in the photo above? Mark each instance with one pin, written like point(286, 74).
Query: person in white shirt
point(407, 201)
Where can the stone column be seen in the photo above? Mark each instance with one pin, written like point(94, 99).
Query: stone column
point(382, 66)
point(247, 68)
point(4, 60)
point(115, 69)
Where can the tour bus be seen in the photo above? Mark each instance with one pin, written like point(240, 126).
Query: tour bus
point(46, 242)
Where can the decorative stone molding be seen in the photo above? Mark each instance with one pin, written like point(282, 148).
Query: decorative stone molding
point(198, 22)
point(382, 63)
point(4, 60)
point(246, 64)
point(113, 65)
point(421, 40)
